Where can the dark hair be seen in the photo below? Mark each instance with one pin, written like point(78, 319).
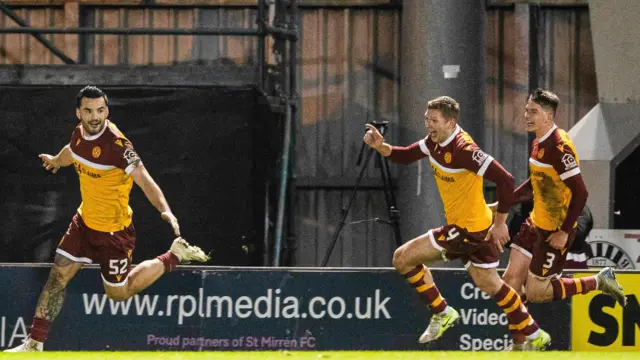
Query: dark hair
point(545, 98)
point(447, 106)
point(91, 92)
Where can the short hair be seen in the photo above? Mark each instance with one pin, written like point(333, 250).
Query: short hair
point(446, 105)
point(91, 92)
point(545, 98)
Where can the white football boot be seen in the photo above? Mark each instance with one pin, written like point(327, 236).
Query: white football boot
point(28, 345)
point(439, 324)
point(186, 252)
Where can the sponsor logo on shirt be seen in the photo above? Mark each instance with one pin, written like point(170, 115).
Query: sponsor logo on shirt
point(131, 156)
point(569, 161)
point(479, 156)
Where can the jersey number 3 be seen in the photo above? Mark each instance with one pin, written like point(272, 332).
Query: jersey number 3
point(550, 258)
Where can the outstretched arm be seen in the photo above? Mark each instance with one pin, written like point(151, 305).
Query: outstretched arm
point(409, 154)
point(397, 154)
point(53, 163)
point(152, 191)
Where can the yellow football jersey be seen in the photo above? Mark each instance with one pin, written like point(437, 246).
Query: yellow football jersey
point(458, 166)
point(103, 163)
point(553, 159)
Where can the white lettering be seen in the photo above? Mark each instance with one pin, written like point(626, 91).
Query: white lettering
point(2, 330)
point(367, 314)
point(380, 306)
point(475, 317)
point(342, 310)
point(312, 310)
point(18, 327)
point(292, 309)
point(219, 300)
point(469, 291)
point(266, 306)
point(267, 300)
point(467, 342)
point(243, 303)
point(181, 310)
point(466, 291)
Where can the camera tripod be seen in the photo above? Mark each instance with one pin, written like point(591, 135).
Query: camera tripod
point(389, 195)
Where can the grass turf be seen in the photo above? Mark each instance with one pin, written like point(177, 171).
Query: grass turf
point(330, 355)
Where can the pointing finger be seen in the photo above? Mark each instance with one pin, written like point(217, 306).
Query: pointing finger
point(370, 127)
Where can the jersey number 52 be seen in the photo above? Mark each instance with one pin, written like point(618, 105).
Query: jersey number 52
point(118, 267)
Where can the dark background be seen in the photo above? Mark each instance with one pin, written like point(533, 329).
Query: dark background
point(211, 151)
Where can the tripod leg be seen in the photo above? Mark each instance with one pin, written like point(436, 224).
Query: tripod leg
point(363, 169)
point(390, 199)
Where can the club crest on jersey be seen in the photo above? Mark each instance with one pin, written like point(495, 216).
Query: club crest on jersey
point(447, 157)
point(569, 161)
point(96, 152)
point(540, 154)
point(479, 156)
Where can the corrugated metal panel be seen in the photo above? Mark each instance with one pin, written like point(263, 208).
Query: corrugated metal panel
point(567, 62)
point(141, 50)
point(167, 50)
point(318, 217)
point(505, 93)
point(348, 71)
point(566, 66)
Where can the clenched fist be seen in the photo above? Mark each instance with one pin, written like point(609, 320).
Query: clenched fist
point(372, 137)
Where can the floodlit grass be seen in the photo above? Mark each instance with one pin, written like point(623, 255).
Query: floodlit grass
point(338, 355)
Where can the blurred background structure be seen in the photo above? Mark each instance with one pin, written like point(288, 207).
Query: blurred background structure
point(250, 113)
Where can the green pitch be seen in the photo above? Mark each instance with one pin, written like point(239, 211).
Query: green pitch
point(329, 355)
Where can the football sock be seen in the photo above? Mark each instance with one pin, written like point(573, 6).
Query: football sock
point(170, 261)
point(517, 315)
point(566, 287)
point(428, 292)
point(40, 329)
